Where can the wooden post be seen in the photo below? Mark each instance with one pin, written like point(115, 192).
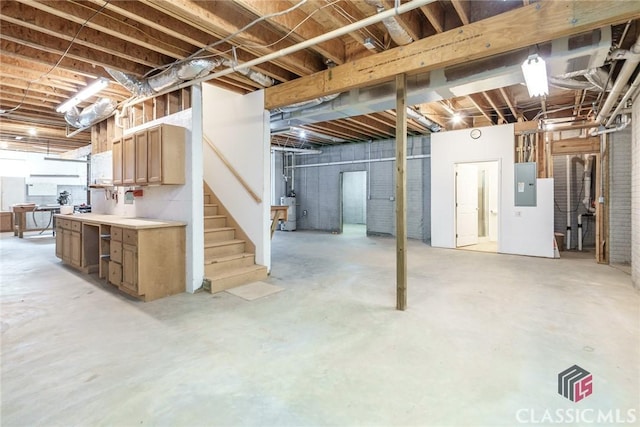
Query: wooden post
point(401, 191)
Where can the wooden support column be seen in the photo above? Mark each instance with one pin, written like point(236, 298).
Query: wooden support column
point(401, 191)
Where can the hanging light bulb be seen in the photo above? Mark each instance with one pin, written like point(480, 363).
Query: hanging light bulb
point(535, 75)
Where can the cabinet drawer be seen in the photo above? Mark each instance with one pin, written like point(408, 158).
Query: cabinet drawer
point(64, 223)
point(130, 237)
point(116, 234)
point(76, 225)
point(115, 252)
point(115, 273)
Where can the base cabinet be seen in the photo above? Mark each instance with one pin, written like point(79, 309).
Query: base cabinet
point(147, 263)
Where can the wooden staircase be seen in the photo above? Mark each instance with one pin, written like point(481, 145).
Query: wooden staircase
point(229, 260)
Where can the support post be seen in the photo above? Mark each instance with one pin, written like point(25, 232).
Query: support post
point(401, 191)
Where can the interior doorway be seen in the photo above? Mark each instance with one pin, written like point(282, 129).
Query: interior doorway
point(354, 203)
point(477, 196)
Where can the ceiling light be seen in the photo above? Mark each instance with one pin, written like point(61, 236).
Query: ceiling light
point(32, 132)
point(303, 134)
point(535, 75)
point(87, 92)
point(457, 118)
point(19, 137)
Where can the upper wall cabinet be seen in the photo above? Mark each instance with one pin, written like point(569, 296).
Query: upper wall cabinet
point(152, 156)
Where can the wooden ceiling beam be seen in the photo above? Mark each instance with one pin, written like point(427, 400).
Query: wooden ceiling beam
point(60, 28)
point(42, 60)
point(480, 108)
point(507, 99)
point(341, 14)
point(495, 107)
point(101, 24)
point(463, 9)
point(533, 24)
point(435, 15)
point(298, 24)
point(47, 43)
point(186, 36)
point(222, 19)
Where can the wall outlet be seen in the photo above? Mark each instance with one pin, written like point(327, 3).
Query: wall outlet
point(518, 213)
point(392, 198)
point(304, 212)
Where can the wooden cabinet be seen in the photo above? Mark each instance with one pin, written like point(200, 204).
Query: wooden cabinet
point(141, 157)
point(117, 162)
point(69, 242)
point(130, 267)
point(128, 160)
point(152, 156)
point(143, 258)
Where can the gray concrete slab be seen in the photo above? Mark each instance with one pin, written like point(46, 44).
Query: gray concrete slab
point(481, 344)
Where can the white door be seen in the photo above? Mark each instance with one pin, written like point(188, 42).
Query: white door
point(466, 205)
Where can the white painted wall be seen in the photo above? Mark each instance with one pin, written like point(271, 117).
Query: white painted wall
point(238, 126)
point(169, 202)
point(523, 231)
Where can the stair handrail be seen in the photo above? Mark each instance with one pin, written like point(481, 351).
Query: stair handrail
point(233, 171)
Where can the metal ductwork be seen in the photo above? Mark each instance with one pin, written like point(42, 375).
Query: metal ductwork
point(257, 77)
point(572, 57)
point(593, 79)
point(397, 33)
point(303, 105)
point(94, 113)
point(418, 117)
point(181, 72)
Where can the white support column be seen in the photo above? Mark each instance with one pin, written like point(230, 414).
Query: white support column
point(195, 245)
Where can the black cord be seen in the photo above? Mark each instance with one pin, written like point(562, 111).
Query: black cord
point(64, 54)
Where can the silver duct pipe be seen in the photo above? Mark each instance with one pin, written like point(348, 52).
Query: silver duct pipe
point(179, 73)
point(257, 77)
point(305, 104)
point(632, 58)
point(429, 124)
point(595, 79)
point(94, 113)
point(187, 70)
point(398, 34)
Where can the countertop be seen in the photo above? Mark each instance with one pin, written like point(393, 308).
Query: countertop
point(118, 221)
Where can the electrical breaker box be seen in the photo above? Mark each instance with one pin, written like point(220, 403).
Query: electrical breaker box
point(525, 185)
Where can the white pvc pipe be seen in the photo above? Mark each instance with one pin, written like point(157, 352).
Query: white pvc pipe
point(567, 239)
point(374, 19)
point(298, 151)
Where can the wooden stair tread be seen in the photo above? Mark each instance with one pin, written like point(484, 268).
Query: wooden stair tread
point(209, 230)
point(223, 243)
point(214, 216)
point(237, 272)
point(210, 204)
point(228, 258)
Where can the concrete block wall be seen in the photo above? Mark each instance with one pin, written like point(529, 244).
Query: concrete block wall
point(620, 197)
point(635, 194)
point(318, 188)
point(577, 195)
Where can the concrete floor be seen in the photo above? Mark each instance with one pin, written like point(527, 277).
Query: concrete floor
point(481, 343)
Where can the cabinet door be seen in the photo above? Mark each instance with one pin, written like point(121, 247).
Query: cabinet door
point(141, 157)
point(66, 245)
point(154, 164)
point(117, 162)
point(76, 249)
point(130, 267)
point(128, 160)
point(59, 242)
